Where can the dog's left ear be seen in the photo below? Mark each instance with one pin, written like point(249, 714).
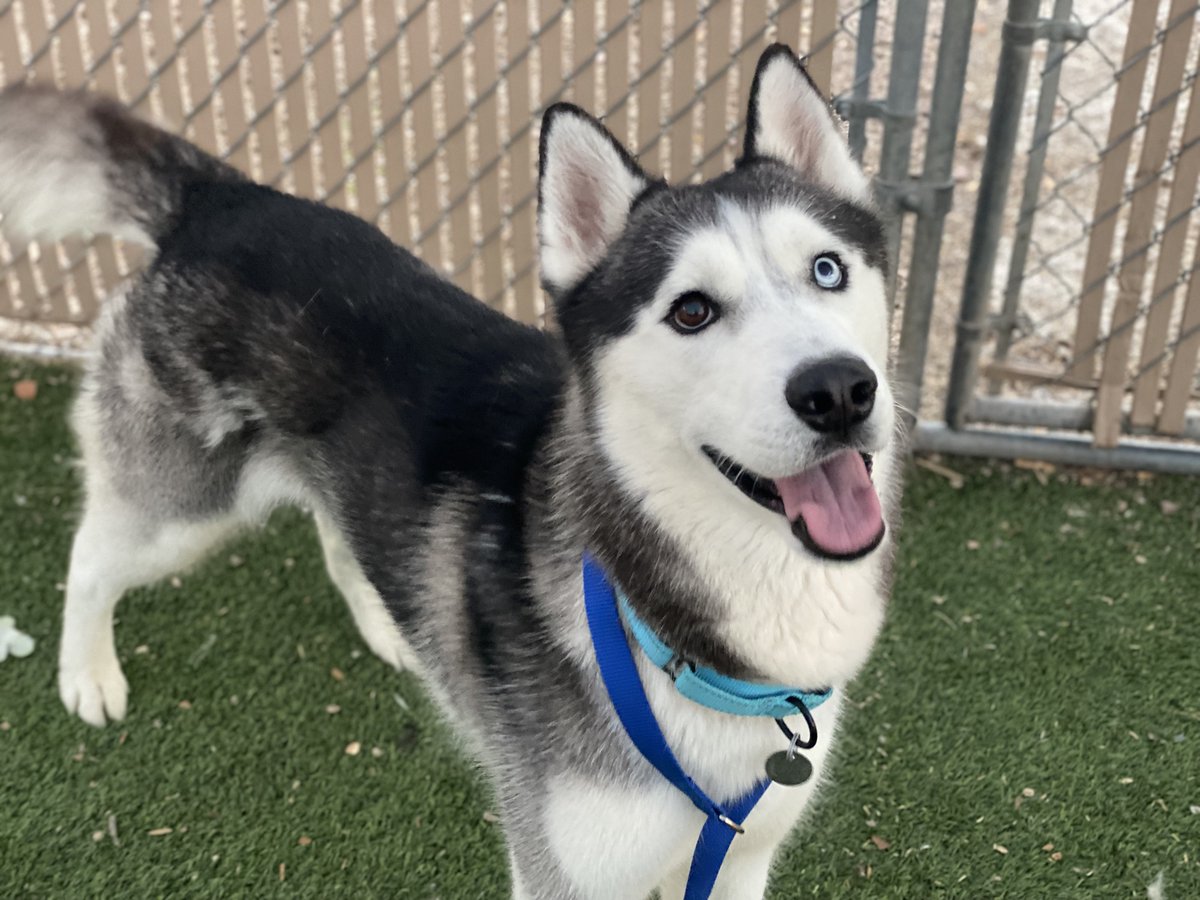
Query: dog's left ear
point(587, 183)
point(789, 120)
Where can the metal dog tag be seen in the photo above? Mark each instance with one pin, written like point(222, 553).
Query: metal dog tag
point(788, 768)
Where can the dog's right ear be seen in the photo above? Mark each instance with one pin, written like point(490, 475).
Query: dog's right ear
point(790, 120)
point(587, 183)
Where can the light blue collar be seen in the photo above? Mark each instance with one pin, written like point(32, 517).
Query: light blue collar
point(712, 689)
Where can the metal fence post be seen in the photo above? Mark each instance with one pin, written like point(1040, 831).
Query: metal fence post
point(1031, 192)
point(864, 64)
point(904, 81)
point(1012, 73)
point(931, 197)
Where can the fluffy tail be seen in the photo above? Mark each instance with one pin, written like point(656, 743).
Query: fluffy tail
point(80, 163)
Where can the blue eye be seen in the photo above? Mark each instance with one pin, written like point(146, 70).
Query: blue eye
point(828, 272)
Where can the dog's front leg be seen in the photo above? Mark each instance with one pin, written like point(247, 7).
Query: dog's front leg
point(743, 876)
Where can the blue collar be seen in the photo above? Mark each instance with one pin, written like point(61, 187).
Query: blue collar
point(710, 688)
point(619, 673)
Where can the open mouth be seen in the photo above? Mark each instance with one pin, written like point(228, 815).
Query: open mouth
point(832, 507)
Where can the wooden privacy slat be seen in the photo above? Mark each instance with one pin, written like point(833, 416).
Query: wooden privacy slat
point(1183, 365)
point(1140, 225)
point(683, 89)
point(1170, 263)
point(754, 14)
point(618, 26)
point(37, 31)
point(77, 276)
point(104, 79)
point(821, 40)
point(424, 206)
point(522, 163)
point(391, 105)
point(11, 289)
point(291, 56)
point(551, 25)
point(715, 127)
point(49, 299)
point(453, 148)
point(166, 63)
point(486, 41)
point(1112, 180)
point(550, 56)
point(323, 119)
point(261, 84)
point(649, 92)
point(789, 25)
point(136, 60)
point(361, 137)
point(134, 81)
point(201, 112)
point(584, 41)
point(229, 53)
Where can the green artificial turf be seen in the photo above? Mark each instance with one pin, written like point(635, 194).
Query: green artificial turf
point(1037, 684)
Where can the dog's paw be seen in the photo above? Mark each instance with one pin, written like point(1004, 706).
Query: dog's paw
point(97, 694)
point(390, 648)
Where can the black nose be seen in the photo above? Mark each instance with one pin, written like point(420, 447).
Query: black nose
point(834, 395)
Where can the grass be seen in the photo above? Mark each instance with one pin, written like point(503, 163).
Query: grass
point(1038, 683)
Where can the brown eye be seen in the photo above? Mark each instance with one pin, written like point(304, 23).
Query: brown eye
point(692, 312)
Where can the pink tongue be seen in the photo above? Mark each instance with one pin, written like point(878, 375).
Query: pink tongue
point(837, 502)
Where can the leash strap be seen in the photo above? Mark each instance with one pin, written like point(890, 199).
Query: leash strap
point(628, 696)
point(715, 838)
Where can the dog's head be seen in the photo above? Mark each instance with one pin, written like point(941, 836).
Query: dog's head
point(731, 337)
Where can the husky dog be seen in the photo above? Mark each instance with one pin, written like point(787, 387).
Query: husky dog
point(714, 426)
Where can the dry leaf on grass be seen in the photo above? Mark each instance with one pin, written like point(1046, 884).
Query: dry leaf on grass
point(354, 748)
point(955, 479)
point(25, 389)
point(880, 842)
point(159, 832)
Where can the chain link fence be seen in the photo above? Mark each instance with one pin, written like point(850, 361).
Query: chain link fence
point(1091, 321)
point(1080, 308)
point(421, 117)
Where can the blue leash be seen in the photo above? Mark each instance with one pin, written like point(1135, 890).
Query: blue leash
point(619, 672)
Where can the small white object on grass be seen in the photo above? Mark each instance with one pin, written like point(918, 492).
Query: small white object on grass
point(12, 641)
point(1157, 888)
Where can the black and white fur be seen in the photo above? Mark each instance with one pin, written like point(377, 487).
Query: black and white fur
point(277, 351)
